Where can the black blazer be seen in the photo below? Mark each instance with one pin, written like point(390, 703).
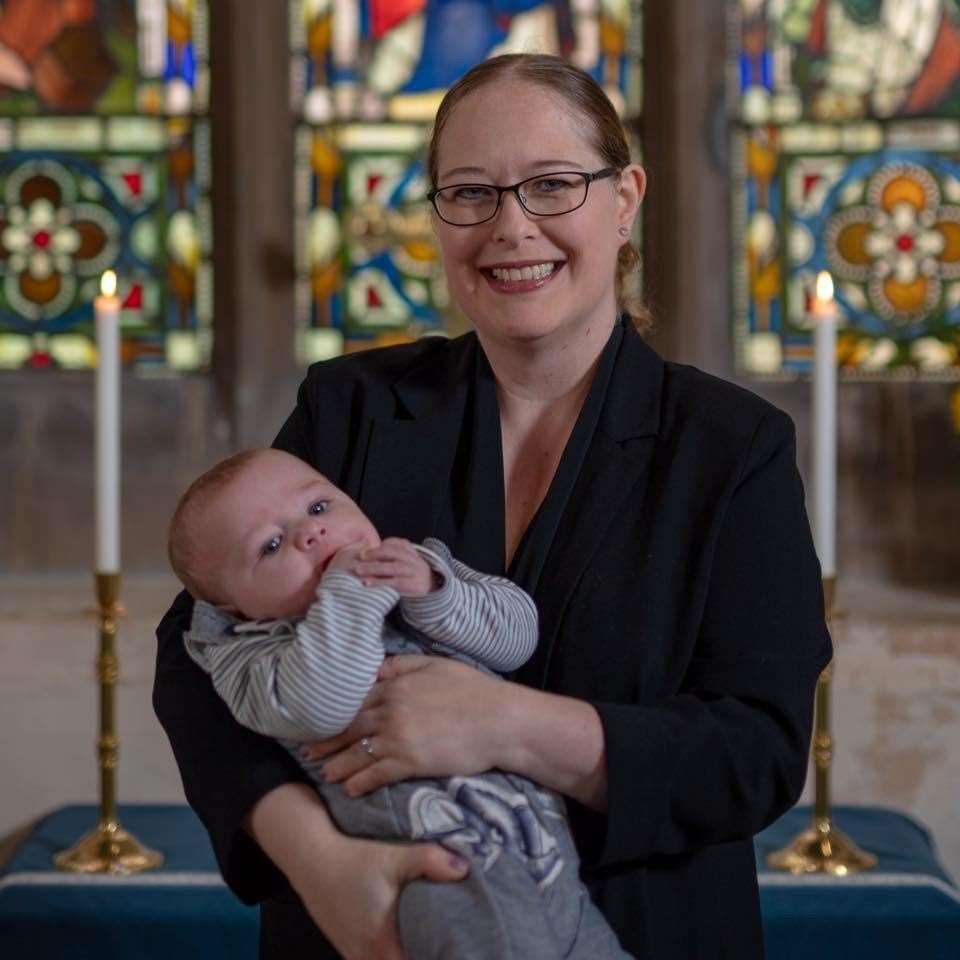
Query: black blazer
point(681, 597)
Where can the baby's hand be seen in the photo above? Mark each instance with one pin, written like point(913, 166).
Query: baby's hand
point(346, 557)
point(395, 563)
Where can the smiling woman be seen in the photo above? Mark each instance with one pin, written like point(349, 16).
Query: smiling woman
point(589, 126)
point(634, 499)
point(574, 200)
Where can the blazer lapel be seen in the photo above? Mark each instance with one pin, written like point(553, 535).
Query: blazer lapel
point(614, 472)
point(406, 471)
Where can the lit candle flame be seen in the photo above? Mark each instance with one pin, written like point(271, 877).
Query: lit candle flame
point(108, 283)
point(824, 286)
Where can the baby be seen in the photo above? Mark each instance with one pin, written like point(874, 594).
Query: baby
point(298, 603)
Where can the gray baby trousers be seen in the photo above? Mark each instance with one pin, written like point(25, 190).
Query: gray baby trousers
point(522, 899)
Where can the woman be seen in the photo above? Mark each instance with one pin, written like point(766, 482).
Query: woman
point(654, 513)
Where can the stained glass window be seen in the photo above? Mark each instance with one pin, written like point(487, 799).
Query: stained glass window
point(104, 164)
point(848, 156)
point(367, 80)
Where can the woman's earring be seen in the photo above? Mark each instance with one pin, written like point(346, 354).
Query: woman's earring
point(624, 232)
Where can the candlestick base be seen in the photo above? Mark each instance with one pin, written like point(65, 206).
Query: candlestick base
point(822, 848)
point(108, 849)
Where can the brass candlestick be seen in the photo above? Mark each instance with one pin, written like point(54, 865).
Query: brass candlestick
point(108, 848)
point(822, 848)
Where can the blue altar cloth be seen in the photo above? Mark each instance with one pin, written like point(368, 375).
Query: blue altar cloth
point(180, 912)
point(905, 908)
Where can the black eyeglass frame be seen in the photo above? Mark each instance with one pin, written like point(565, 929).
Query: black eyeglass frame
point(515, 190)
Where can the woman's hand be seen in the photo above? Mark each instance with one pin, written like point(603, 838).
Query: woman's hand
point(350, 887)
point(425, 717)
point(433, 717)
point(353, 897)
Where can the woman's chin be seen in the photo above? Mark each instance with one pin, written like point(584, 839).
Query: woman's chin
point(521, 326)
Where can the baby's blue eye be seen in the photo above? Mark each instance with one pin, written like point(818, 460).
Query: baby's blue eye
point(272, 546)
point(318, 506)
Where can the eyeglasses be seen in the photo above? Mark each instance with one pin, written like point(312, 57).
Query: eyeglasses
point(546, 195)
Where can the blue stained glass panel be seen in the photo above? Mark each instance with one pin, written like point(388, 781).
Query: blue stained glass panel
point(105, 164)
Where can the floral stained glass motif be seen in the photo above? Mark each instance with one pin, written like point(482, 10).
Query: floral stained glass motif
point(105, 164)
point(874, 198)
point(367, 79)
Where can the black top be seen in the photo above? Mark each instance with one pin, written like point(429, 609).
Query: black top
point(679, 595)
point(474, 520)
point(534, 546)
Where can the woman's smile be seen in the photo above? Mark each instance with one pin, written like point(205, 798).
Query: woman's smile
point(522, 277)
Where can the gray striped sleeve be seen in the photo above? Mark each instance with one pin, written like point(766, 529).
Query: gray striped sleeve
point(308, 682)
point(488, 618)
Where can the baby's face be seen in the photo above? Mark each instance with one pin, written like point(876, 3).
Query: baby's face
point(271, 532)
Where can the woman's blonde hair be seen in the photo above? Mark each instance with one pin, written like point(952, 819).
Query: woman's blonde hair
point(604, 130)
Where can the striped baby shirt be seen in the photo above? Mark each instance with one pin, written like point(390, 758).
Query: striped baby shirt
point(306, 679)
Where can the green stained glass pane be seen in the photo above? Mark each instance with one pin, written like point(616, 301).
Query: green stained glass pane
point(105, 164)
point(840, 59)
point(366, 83)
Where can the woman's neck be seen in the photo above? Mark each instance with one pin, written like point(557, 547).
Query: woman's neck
point(545, 373)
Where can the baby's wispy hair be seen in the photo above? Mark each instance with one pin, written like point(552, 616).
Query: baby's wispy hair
point(183, 548)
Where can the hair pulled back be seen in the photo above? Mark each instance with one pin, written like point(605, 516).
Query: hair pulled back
point(602, 127)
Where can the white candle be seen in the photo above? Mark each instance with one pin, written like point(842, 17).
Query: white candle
point(107, 428)
point(825, 424)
